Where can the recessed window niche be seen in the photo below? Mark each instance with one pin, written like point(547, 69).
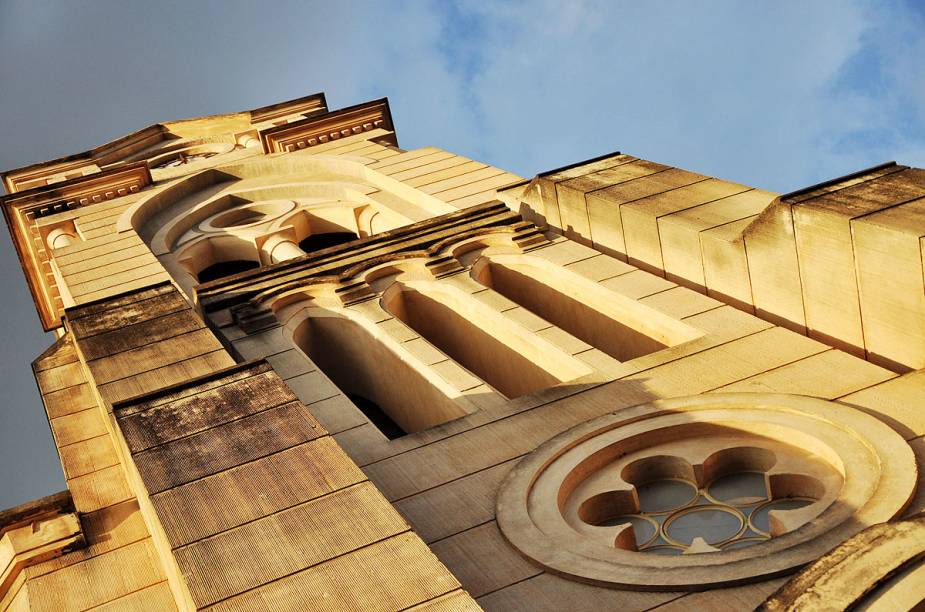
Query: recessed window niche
point(510, 359)
point(617, 325)
point(395, 396)
point(317, 242)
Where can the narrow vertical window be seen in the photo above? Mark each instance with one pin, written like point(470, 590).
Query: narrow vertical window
point(619, 326)
point(507, 357)
point(393, 394)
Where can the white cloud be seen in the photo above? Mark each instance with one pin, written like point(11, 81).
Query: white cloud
point(740, 91)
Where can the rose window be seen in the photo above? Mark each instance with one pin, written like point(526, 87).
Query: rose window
point(661, 508)
point(709, 490)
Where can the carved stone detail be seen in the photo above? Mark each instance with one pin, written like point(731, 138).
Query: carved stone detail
point(313, 131)
point(579, 504)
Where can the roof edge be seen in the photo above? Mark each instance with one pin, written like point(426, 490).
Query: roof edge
point(163, 126)
point(833, 181)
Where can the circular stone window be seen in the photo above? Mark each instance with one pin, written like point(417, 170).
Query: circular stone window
point(704, 491)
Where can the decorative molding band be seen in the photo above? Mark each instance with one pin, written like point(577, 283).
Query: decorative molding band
point(325, 128)
point(313, 103)
point(83, 191)
point(17, 179)
point(109, 153)
point(341, 263)
point(21, 211)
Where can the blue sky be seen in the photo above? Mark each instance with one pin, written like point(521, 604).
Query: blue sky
point(777, 95)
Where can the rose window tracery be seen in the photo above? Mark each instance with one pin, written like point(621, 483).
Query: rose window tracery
point(661, 508)
point(708, 490)
point(240, 234)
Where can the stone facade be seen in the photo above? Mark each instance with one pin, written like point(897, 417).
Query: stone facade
point(300, 367)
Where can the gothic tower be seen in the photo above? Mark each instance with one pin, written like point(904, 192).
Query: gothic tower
point(298, 367)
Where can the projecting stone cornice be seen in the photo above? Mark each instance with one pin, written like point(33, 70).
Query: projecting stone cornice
point(23, 210)
point(18, 180)
point(308, 104)
point(34, 532)
point(125, 147)
point(330, 126)
point(82, 191)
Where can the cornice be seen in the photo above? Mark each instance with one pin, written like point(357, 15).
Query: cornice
point(131, 143)
point(35, 532)
point(81, 191)
point(327, 127)
point(108, 153)
point(308, 104)
point(22, 210)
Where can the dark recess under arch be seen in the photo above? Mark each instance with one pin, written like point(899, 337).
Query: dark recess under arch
point(222, 269)
point(316, 242)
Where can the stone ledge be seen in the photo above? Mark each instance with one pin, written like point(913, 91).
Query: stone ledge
point(34, 532)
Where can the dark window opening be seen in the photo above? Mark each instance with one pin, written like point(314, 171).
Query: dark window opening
point(571, 309)
point(392, 394)
point(377, 416)
point(473, 342)
point(316, 242)
point(225, 268)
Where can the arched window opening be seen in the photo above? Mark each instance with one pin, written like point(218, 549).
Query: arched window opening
point(222, 269)
point(512, 360)
point(316, 242)
point(619, 326)
point(395, 396)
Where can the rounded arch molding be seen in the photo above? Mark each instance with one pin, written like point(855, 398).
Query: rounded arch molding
point(332, 194)
point(339, 177)
point(584, 505)
point(372, 278)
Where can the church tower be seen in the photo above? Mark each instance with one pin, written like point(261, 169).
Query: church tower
point(299, 367)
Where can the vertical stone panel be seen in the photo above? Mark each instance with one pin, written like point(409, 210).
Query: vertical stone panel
point(887, 249)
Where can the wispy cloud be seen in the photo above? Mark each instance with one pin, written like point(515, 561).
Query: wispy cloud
point(775, 95)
